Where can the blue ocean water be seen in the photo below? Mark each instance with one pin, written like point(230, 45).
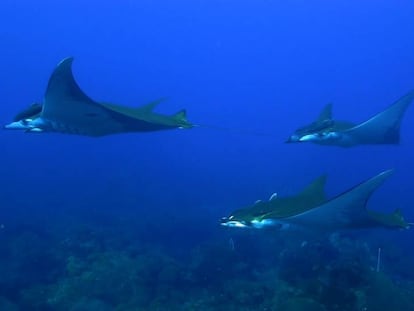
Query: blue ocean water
point(78, 208)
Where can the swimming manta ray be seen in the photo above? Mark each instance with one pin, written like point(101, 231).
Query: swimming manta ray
point(383, 128)
point(67, 109)
point(311, 209)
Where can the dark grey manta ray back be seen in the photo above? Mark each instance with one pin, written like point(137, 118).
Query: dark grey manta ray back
point(383, 128)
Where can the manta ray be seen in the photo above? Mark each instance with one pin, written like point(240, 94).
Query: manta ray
point(383, 128)
point(311, 209)
point(67, 109)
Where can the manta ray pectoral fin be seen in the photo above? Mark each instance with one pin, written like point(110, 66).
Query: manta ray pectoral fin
point(140, 112)
point(64, 100)
point(152, 105)
point(384, 127)
point(347, 210)
point(67, 109)
point(62, 86)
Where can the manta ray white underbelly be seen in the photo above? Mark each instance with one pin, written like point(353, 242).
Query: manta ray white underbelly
point(39, 125)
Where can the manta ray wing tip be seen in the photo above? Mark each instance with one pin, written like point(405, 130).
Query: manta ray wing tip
point(387, 172)
point(66, 61)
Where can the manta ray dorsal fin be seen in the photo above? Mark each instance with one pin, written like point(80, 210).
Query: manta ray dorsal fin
point(325, 114)
point(384, 127)
point(346, 210)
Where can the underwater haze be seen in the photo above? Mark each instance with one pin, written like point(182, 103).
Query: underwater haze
point(131, 221)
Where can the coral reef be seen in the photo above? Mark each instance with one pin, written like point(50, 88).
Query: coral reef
point(96, 269)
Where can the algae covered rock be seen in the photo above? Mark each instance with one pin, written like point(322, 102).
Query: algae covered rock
point(114, 278)
point(6, 305)
point(91, 305)
point(302, 304)
point(382, 294)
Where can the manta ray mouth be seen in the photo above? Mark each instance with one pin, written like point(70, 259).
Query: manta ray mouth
point(309, 137)
point(254, 223)
point(231, 223)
